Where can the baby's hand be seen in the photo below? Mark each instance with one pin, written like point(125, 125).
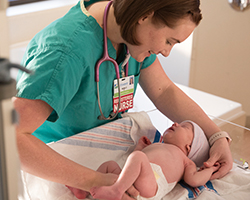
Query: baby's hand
point(145, 140)
point(142, 143)
point(216, 166)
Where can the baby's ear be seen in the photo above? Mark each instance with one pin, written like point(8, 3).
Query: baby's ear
point(188, 148)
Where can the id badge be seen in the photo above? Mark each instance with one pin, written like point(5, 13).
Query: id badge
point(127, 93)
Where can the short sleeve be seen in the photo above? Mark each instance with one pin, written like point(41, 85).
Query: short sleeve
point(55, 79)
point(148, 61)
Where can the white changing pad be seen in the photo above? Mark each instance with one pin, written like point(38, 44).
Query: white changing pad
point(115, 141)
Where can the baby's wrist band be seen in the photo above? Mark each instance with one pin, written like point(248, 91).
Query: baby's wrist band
point(218, 135)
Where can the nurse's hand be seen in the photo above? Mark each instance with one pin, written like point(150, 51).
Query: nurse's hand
point(220, 152)
point(81, 194)
point(130, 193)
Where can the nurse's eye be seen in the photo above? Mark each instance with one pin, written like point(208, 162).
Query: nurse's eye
point(169, 43)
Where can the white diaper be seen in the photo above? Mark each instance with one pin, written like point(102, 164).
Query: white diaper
point(163, 186)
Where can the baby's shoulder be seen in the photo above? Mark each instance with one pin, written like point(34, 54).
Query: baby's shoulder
point(188, 161)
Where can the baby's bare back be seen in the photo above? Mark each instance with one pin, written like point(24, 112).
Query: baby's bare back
point(169, 157)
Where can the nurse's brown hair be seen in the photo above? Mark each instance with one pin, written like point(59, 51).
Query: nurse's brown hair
point(168, 12)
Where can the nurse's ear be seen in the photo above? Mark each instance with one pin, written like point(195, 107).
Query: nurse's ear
point(146, 17)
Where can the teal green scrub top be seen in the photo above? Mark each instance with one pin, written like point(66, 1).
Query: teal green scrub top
point(63, 58)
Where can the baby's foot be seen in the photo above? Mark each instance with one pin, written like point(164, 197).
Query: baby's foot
point(105, 192)
point(80, 194)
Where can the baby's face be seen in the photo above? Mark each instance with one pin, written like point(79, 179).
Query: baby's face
point(179, 135)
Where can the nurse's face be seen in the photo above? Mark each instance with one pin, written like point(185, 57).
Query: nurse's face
point(159, 39)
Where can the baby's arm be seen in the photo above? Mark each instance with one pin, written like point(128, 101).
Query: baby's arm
point(142, 143)
point(196, 178)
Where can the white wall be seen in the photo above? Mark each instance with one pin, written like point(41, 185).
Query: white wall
point(177, 64)
point(221, 53)
point(4, 35)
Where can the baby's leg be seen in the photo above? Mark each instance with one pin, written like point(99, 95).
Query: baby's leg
point(137, 171)
point(145, 182)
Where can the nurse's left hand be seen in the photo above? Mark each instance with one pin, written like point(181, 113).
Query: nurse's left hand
point(220, 152)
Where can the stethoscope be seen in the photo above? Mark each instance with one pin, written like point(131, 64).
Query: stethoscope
point(106, 57)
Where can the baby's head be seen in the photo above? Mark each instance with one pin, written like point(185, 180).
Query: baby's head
point(190, 138)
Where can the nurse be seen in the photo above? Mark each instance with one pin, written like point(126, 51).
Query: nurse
point(60, 98)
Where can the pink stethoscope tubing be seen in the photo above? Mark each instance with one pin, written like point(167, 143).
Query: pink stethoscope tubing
point(105, 58)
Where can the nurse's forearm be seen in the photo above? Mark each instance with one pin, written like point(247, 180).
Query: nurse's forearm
point(40, 160)
point(175, 104)
point(171, 100)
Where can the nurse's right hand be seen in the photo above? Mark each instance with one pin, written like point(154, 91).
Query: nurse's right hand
point(81, 194)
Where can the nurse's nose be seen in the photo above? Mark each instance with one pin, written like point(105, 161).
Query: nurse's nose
point(165, 53)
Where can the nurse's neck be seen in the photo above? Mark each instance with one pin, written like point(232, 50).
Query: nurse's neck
point(113, 30)
point(96, 10)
